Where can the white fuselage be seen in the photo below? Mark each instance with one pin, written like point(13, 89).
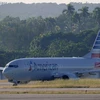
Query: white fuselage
point(27, 69)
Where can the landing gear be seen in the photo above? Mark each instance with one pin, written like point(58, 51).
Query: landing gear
point(52, 78)
point(65, 77)
point(19, 82)
point(15, 84)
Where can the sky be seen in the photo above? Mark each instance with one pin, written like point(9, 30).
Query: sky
point(48, 1)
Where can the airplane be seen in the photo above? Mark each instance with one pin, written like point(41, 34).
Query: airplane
point(24, 70)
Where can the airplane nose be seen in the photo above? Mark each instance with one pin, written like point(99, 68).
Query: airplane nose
point(5, 72)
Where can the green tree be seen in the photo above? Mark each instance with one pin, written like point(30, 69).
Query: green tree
point(76, 20)
point(69, 13)
point(84, 12)
point(96, 14)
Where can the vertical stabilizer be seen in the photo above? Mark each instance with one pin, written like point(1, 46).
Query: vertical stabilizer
point(95, 52)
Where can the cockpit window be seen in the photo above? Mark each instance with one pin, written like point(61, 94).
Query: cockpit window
point(13, 66)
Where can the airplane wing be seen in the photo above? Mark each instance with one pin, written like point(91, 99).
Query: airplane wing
point(90, 72)
point(66, 75)
point(75, 75)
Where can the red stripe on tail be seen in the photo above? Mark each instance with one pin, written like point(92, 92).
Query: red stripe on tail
point(95, 55)
point(97, 65)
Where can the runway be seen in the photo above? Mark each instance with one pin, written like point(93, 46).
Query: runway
point(47, 89)
point(49, 97)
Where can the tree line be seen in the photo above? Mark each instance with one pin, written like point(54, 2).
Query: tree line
point(70, 34)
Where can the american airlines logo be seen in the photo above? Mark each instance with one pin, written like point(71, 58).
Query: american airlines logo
point(97, 65)
point(44, 66)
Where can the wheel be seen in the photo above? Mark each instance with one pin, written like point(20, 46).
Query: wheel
point(52, 78)
point(14, 84)
point(65, 77)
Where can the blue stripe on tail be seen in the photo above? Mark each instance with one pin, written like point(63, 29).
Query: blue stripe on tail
point(95, 51)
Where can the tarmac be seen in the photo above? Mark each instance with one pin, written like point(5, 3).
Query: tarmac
point(50, 97)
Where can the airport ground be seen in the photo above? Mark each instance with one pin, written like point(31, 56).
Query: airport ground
point(50, 97)
point(8, 92)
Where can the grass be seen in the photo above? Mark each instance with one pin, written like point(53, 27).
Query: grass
point(82, 83)
point(59, 83)
point(50, 92)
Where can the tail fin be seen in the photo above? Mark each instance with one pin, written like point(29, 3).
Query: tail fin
point(95, 51)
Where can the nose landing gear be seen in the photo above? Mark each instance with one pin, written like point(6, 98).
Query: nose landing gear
point(16, 83)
